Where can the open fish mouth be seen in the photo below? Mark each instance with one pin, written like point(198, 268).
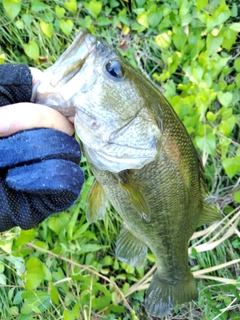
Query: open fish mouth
point(71, 61)
point(62, 72)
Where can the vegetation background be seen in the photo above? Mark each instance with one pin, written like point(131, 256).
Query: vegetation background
point(66, 268)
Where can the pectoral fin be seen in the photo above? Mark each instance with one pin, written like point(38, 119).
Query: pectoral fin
point(135, 196)
point(129, 249)
point(208, 215)
point(97, 203)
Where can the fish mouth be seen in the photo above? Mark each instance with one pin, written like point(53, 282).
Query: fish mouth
point(67, 65)
point(71, 61)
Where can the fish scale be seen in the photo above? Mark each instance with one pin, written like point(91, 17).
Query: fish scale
point(143, 160)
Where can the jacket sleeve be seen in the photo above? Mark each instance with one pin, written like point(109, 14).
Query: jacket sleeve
point(15, 84)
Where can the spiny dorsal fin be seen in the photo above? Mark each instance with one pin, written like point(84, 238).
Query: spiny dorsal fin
point(97, 203)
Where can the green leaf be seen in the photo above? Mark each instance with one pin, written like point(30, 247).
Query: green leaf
point(92, 247)
point(71, 5)
point(154, 18)
point(59, 12)
point(35, 301)
point(47, 16)
point(66, 26)
point(19, 24)
point(223, 145)
point(140, 3)
point(163, 40)
point(125, 20)
point(41, 244)
point(2, 58)
point(236, 196)
point(53, 293)
point(103, 289)
point(12, 8)
point(72, 314)
point(39, 6)
point(18, 297)
point(234, 10)
point(213, 43)
point(142, 19)
point(57, 223)
point(2, 280)
point(226, 113)
point(25, 237)
point(87, 22)
point(94, 8)
point(13, 311)
point(229, 39)
point(237, 64)
point(32, 50)
point(170, 89)
point(207, 143)
point(80, 231)
point(227, 126)
point(47, 28)
point(211, 117)
point(179, 38)
point(231, 166)
point(235, 26)
point(35, 273)
point(174, 61)
point(219, 15)
point(102, 21)
point(27, 19)
point(101, 302)
point(201, 4)
point(116, 308)
point(225, 98)
point(237, 80)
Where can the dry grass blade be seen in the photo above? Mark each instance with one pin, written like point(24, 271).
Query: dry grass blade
point(201, 274)
point(230, 226)
point(143, 283)
point(211, 269)
point(205, 232)
point(217, 279)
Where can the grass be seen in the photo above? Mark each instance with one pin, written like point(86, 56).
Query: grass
point(69, 265)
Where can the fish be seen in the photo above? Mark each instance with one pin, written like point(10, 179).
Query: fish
point(144, 162)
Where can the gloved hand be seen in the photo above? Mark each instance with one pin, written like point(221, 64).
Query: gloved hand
point(39, 175)
point(39, 172)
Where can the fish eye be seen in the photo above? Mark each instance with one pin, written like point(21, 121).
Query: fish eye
point(115, 69)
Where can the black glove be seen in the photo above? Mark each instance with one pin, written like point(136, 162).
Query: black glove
point(15, 84)
point(39, 172)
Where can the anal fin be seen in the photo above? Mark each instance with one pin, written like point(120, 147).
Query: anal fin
point(130, 250)
point(97, 203)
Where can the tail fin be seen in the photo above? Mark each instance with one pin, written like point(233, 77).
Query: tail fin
point(162, 296)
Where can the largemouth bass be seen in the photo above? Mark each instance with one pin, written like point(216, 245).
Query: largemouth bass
point(142, 158)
